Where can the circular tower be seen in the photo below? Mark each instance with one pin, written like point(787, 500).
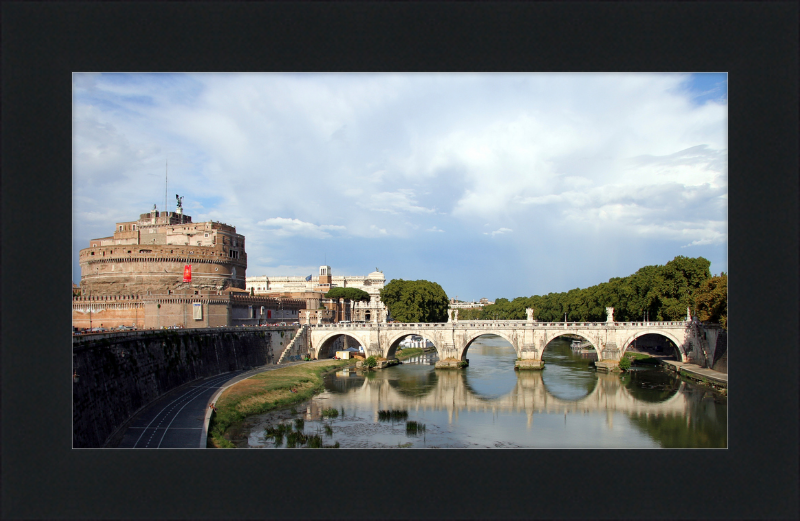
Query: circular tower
point(149, 256)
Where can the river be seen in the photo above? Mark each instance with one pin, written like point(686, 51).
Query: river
point(490, 405)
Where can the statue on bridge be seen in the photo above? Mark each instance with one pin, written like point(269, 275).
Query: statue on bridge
point(609, 314)
point(529, 311)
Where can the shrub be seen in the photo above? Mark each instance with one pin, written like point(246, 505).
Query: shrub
point(330, 413)
point(413, 427)
point(625, 363)
point(371, 361)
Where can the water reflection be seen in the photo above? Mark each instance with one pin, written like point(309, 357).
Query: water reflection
point(568, 375)
point(415, 381)
point(491, 367)
point(567, 405)
point(650, 386)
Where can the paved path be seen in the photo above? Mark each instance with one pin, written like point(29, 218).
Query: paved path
point(710, 374)
point(178, 420)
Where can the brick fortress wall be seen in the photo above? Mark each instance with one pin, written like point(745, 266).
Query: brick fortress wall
point(157, 311)
point(142, 269)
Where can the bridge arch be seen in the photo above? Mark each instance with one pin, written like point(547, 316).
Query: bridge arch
point(394, 340)
point(322, 348)
point(666, 334)
point(472, 336)
point(548, 338)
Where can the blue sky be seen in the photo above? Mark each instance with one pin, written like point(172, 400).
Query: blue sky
point(492, 185)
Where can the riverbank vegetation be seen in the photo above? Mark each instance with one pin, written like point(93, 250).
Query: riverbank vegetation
point(711, 300)
point(642, 358)
point(264, 392)
point(408, 352)
point(658, 292)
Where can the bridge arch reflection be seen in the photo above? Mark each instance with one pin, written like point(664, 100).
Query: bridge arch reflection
point(450, 390)
point(567, 376)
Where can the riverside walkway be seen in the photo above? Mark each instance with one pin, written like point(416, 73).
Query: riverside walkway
point(695, 370)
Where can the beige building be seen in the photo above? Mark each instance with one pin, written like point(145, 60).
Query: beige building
point(313, 287)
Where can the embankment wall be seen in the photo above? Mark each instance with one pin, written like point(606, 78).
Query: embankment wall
point(117, 374)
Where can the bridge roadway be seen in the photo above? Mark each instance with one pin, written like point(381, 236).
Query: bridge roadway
point(530, 394)
point(695, 342)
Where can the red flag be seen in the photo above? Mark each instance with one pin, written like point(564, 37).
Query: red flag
point(187, 273)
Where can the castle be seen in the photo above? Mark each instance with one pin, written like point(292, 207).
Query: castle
point(149, 256)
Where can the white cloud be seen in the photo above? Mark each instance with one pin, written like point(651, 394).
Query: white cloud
point(499, 231)
point(379, 231)
point(283, 227)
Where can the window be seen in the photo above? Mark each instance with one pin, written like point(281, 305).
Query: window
point(120, 228)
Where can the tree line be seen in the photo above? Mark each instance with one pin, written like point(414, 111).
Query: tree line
point(656, 292)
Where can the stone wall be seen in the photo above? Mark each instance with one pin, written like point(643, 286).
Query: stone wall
point(721, 353)
point(118, 374)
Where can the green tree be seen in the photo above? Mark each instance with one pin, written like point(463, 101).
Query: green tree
point(415, 301)
point(711, 300)
point(663, 292)
point(470, 314)
point(347, 294)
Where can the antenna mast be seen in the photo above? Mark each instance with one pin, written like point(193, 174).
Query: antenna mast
point(166, 176)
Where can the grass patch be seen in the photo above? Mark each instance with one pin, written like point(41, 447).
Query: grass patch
point(393, 415)
point(267, 391)
point(642, 359)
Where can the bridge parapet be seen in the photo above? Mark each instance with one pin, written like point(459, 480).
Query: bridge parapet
point(498, 323)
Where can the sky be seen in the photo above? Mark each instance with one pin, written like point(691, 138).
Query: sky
point(492, 185)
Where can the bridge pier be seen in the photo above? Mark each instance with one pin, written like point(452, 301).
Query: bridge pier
point(529, 363)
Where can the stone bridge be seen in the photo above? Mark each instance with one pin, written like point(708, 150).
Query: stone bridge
point(695, 342)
